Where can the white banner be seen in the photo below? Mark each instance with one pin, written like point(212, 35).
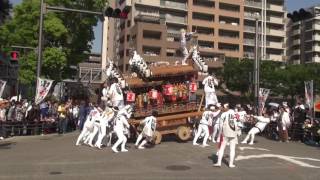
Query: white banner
point(2, 86)
point(263, 95)
point(308, 90)
point(43, 89)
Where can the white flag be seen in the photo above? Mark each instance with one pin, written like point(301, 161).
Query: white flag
point(308, 87)
point(2, 86)
point(263, 95)
point(43, 89)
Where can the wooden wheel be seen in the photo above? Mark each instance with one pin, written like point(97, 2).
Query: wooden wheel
point(157, 137)
point(183, 133)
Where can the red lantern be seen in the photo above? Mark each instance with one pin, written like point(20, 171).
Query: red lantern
point(193, 87)
point(154, 94)
point(168, 89)
point(131, 97)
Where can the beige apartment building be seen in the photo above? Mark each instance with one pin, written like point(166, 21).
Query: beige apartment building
point(225, 28)
point(304, 38)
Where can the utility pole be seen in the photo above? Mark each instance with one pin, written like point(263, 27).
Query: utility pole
point(256, 67)
point(39, 63)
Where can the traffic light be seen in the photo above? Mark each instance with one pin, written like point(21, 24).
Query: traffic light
point(14, 55)
point(117, 13)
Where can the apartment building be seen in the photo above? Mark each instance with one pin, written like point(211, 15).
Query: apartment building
point(225, 28)
point(271, 29)
point(304, 37)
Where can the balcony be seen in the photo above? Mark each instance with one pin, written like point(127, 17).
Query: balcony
point(296, 52)
point(296, 32)
point(296, 42)
point(275, 57)
point(316, 48)
point(275, 7)
point(316, 26)
point(249, 55)
point(176, 19)
point(249, 29)
point(251, 15)
point(253, 4)
point(155, 3)
point(147, 14)
point(316, 59)
point(316, 37)
point(249, 42)
point(276, 45)
point(273, 19)
point(174, 5)
point(274, 32)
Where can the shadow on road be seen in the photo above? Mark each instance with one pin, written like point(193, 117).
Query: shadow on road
point(214, 159)
point(6, 145)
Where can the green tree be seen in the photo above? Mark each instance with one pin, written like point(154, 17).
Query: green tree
point(286, 81)
point(67, 36)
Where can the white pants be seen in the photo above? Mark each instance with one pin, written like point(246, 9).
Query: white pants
point(101, 135)
point(139, 139)
point(202, 128)
point(93, 134)
point(232, 141)
point(253, 131)
point(211, 98)
point(122, 139)
point(216, 132)
point(84, 133)
point(185, 55)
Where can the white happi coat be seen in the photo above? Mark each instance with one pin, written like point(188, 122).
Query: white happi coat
point(121, 123)
point(209, 83)
point(207, 118)
point(262, 122)
point(93, 116)
point(229, 124)
point(150, 124)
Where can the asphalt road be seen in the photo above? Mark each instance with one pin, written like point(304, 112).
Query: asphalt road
point(56, 157)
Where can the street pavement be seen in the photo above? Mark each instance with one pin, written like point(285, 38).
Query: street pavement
point(57, 157)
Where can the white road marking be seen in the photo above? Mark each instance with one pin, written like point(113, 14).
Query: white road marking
point(253, 148)
point(291, 159)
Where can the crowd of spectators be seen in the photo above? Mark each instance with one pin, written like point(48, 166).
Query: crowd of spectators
point(25, 118)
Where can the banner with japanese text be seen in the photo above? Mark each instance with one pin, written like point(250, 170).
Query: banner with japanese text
point(43, 89)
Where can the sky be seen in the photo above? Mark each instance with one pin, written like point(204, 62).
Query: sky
point(291, 5)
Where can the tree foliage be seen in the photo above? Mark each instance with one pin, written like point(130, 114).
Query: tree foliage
point(67, 36)
point(283, 80)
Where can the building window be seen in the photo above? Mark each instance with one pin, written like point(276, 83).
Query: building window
point(151, 34)
point(228, 47)
point(229, 7)
point(151, 51)
point(128, 38)
point(228, 33)
point(203, 16)
point(128, 23)
point(209, 4)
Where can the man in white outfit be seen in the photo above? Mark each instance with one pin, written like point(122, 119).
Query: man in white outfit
point(209, 82)
point(116, 95)
point(121, 126)
point(106, 116)
point(183, 45)
point(230, 133)
point(150, 124)
point(263, 121)
point(88, 126)
point(216, 124)
point(203, 127)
